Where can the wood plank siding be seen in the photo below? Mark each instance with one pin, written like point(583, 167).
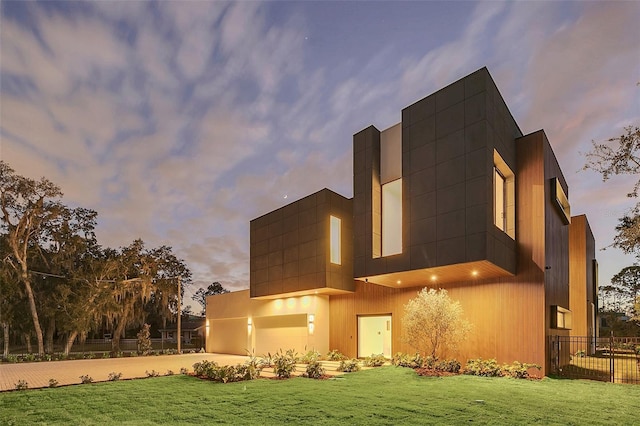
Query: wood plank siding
point(511, 332)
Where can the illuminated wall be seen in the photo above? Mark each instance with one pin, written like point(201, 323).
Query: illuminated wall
point(237, 323)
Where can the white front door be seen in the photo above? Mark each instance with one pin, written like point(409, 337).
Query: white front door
point(374, 335)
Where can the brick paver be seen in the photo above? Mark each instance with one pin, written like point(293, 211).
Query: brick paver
point(37, 374)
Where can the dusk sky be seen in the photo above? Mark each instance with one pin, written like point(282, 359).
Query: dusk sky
point(180, 121)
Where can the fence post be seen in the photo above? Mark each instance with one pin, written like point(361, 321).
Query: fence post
point(611, 359)
point(558, 349)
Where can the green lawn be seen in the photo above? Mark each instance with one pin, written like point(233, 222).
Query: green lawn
point(387, 395)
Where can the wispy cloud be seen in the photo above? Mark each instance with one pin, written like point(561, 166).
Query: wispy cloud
point(181, 121)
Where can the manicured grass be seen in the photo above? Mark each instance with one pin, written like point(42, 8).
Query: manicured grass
point(387, 395)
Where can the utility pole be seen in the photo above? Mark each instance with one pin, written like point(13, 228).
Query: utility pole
point(179, 314)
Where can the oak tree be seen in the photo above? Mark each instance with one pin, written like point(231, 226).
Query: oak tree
point(27, 206)
point(621, 156)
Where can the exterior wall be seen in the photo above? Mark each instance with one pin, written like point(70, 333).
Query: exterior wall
point(448, 143)
point(507, 317)
point(289, 247)
point(539, 214)
point(583, 288)
point(275, 324)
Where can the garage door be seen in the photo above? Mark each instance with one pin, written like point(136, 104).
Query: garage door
point(281, 332)
point(228, 336)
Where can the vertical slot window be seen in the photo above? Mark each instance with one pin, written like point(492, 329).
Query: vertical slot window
point(499, 200)
point(334, 243)
point(504, 196)
point(392, 218)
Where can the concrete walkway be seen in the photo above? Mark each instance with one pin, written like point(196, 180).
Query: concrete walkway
point(37, 374)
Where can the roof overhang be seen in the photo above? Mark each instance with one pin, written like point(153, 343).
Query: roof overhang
point(440, 276)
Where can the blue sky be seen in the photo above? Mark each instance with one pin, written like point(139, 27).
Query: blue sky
point(179, 122)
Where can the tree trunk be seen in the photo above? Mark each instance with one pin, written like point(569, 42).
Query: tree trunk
point(115, 339)
point(51, 330)
point(27, 340)
point(69, 343)
point(34, 311)
point(5, 335)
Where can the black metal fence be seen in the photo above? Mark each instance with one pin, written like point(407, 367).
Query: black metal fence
point(610, 359)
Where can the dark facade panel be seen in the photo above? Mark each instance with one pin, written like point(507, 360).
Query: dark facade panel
point(448, 143)
point(290, 249)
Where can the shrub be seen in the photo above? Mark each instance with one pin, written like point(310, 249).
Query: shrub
point(349, 365)
point(170, 373)
point(227, 373)
point(247, 371)
point(433, 322)
point(184, 370)
point(581, 353)
point(203, 368)
point(314, 370)
point(11, 358)
point(53, 383)
point(113, 376)
point(518, 370)
point(152, 373)
point(284, 364)
point(447, 365)
point(267, 360)
point(405, 360)
point(86, 379)
point(21, 385)
point(254, 368)
point(310, 356)
point(374, 360)
point(480, 367)
point(335, 355)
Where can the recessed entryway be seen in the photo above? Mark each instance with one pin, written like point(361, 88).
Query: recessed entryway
point(374, 335)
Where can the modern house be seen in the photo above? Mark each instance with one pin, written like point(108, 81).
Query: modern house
point(453, 197)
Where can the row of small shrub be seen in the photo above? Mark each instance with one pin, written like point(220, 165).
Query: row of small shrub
point(227, 373)
point(417, 361)
point(474, 367)
point(86, 379)
point(491, 368)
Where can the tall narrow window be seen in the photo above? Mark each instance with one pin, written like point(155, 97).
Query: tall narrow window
point(392, 218)
point(334, 240)
point(499, 200)
point(504, 196)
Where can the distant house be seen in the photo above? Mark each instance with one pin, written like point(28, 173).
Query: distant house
point(192, 330)
point(454, 196)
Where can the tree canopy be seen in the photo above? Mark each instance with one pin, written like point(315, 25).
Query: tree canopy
point(200, 296)
point(433, 323)
point(621, 156)
point(53, 270)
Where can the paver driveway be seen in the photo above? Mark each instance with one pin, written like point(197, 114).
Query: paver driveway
point(37, 374)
